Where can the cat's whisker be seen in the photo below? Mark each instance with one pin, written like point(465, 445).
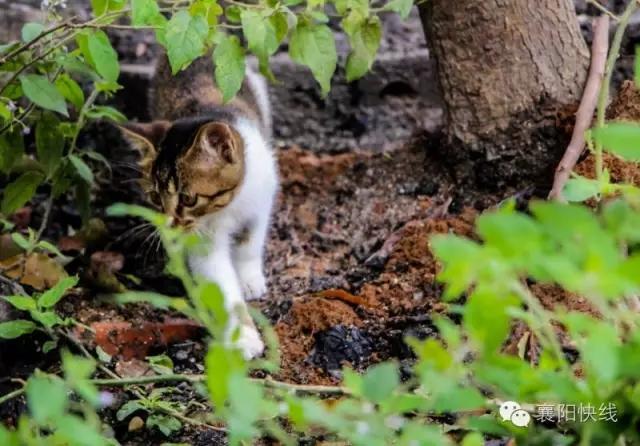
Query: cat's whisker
point(158, 244)
point(124, 164)
point(148, 241)
point(131, 180)
point(134, 232)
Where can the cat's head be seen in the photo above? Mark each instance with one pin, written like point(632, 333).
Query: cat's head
point(190, 168)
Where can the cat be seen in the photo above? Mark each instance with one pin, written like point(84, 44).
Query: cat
point(211, 168)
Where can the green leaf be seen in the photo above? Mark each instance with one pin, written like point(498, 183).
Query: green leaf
point(314, 46)
point(77, 432)
point(24, 303)
point(209, 9)
point(43, 93)
point(514, 235)
point(129, 408)
point(31, 30)
point(486, 318)
point(15, 329)
point(50, 298)
point(263, 35)
point(161, 364)
point(11, 149)
point(220, 365)
point(601, 353)
point(49, 319)
point(232, 13)
point(246, 403)
point(365, 41)
point(101, 7)
point(49, 247)
point(5, 113)
point(47, 398)
point(70, 90)
point(77, 372)
point(144, 12)
point(185, 39)
point(49, 142)
point(18, 193)
point(21, 241)
point(105, 58)
point(621, 139)
point(157, 300)
point(166, 424)
point(49, 346)
point(380, 381)
point(402, 7)
point(579, 189)
point(106, 112)
point(461, 258)
point(230, 66)
point(82, 168)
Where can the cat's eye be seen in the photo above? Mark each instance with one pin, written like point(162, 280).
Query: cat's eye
point(188, 200)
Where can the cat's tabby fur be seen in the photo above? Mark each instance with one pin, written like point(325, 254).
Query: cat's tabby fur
point(211, 168)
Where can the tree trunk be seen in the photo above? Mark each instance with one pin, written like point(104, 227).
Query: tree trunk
point(505, 67)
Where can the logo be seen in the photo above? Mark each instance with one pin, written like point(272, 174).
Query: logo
point(511, 411)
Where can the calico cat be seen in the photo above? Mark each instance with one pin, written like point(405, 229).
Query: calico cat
point(211, 168)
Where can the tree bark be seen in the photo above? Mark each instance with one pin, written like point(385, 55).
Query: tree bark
point(503, 65)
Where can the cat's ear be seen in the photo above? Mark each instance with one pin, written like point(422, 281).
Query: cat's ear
point(220, 140)
point(145, 137)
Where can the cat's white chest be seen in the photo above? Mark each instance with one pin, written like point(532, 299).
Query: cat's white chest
point(237, 265)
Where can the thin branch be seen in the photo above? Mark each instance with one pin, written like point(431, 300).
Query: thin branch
point(584, 116)
point(15, 286)
point(32, 42)
point(11, 395)
point(614, 53)
point(45, 217)
point(267, 382)
point(603, 10)
point(34, 61)
point(22, 116)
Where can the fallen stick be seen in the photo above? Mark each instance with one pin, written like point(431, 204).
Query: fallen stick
point(587, 107)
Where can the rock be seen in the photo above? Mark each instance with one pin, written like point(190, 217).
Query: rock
point(339, 344)
point(135, 424)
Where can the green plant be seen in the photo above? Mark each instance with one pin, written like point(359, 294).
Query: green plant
point(55, 418)
point(463, 373)
point(40, 308)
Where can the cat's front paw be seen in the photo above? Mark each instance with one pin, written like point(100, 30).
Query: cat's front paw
point(249, 342)
point(252, 280)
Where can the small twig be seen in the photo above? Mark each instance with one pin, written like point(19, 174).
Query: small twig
point(45, 218)
point(22, 116)
point(32, 62)
point(11, 395)
point(82, 118)
point(267, 382)
point(85, 352)
point(15, 286)
point(32, 42)
point(584, 116)
point(614, 53)
point(602, 9)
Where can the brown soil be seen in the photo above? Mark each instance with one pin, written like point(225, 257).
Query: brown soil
point(624, 107)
